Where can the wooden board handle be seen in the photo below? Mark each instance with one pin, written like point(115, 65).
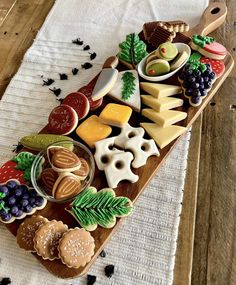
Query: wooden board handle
point(213, 17)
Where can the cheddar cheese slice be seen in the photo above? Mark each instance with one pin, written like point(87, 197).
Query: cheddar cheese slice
point(163, 136)
point(115, 114)
point(161, 104)
point(93, 130)
point(164, 118)
point(158, 90)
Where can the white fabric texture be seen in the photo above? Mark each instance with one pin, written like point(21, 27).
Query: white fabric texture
point(143, 249)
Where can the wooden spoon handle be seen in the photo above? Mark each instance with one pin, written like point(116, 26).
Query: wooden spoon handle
point(213, 17)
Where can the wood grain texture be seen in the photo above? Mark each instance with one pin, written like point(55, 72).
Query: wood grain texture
point(16, 39)
point(5, 8)
point(214, 247)
point(184, 252)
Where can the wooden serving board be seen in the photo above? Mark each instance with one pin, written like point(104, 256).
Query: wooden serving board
point(212, 18)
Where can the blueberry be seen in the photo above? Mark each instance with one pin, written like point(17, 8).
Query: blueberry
point(189, 72)
point(14, 210)
point(191, 79)
point(28, 209)
point(12, 200)
point(6, 217)
point(18, 192)
point(39, 201)
point(201, 86)
point(212, 75)
point(4, 189)
point(203, 92)
point(199, 79)
point(197, 73)
point(24, 202)
point(33, 193)
point(195, 85)
point(19, 213)
point(185, 84)
point(206, 79)
point(24, 188)
point(207, 85)
point(11, 184)
point(182, 76)
point(196, 93)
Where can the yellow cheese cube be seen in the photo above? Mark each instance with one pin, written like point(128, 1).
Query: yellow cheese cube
point(164, 118)
point(93, 130)
point(115, 114)
point(158, 90)
point(163, 136)
point(162, 104)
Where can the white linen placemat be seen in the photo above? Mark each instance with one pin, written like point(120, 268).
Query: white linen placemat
point(143, 250)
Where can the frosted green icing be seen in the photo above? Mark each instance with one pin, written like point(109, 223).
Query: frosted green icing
point(132, 50)
point(128, 87)
point(91, 208)
point(201, 41)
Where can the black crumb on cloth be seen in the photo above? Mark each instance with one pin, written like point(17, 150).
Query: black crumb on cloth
point(17, 147)
point(48, 82)
point(86, 65)
point(91, 279)
point(56, 91)
point(86, 47)
point(103, 253)
point(63, 76)
point(5, 281)
point(93, 55)
point(77, 42)
point(109, 270)
point(75, 71)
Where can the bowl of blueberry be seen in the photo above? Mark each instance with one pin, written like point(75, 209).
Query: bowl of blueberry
point(18, 200)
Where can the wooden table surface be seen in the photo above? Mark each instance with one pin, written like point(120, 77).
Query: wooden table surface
point(206, 242)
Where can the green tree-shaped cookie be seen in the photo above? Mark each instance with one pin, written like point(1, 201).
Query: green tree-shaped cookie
point(128, 87)
point(132, 50)
point(92, 208)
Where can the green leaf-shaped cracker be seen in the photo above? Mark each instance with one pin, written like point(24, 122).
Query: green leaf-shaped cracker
point(42, 141)
point(91, 208)
point(128, 85)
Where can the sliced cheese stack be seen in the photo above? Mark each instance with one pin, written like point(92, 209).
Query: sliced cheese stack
point(162, 130)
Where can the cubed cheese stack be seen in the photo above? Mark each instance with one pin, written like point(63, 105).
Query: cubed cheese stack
point(163, 130)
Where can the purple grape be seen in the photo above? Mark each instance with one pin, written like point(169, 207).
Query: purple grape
point(195, 85)
point(196, 93)
point(11, 184)
point(14, 210)
point(206, 79)
point(201, 86)
point(28, 209)
point(26, 196)
point(4, 189)
point(6, 216)
point(19, 213)
point(197, 73)
point(185, 84)
point(31, 200)
point(12, 200)
point(189, 72)
point(207, 85)
point(195, 100)
point(199, 79)
point(212, 75)
point(191, 79)
point(18, 192)
point(24, 202)
point(32, 193)
point(39, 201)
point(203, 92)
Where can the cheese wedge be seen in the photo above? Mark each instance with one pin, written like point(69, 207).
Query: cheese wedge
point(162, 104)
point(106, 80)
point(93, 130)
point(164, 118)
point(115, 115)
point(163, 136)
point(160, 90)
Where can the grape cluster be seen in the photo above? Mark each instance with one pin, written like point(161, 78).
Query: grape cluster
point(196, 83)
point(15, 200)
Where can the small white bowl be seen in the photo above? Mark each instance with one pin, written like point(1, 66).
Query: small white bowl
point(141, 66)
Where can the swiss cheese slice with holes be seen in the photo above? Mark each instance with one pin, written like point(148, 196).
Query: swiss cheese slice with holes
point(162, 104)
point(163, 136)
point(164, 118)
point(158, 90)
